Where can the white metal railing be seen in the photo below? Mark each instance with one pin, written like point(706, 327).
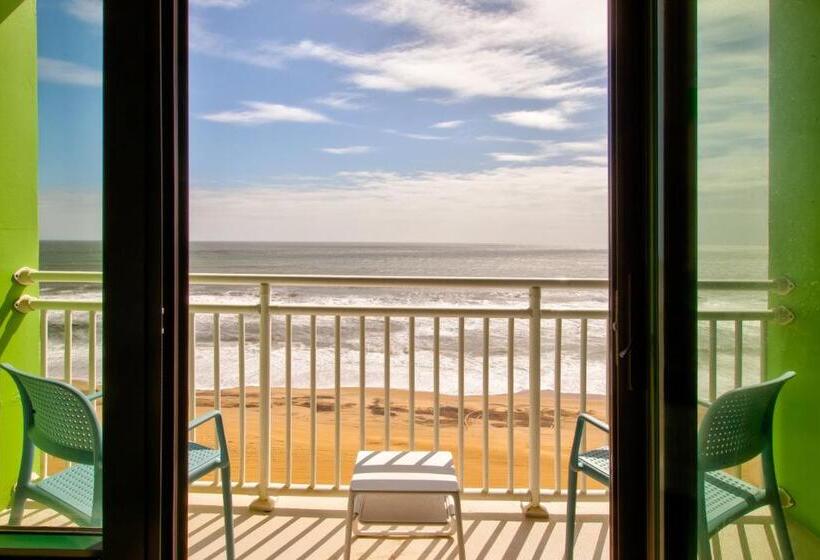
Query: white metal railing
point(535, 315)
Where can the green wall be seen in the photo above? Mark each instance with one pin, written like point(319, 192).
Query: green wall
point(19, 335)
point(794, 232)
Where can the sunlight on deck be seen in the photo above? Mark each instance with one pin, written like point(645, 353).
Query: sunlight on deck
point(313, 528)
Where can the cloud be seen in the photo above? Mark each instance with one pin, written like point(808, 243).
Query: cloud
point(448, 124)
point(555, 118)
point(229, 4)
point(415, 136)
point(345, 101)
point(527, 49)
point(348, 150)
point(592, 152)
point(557, 205)
point(258, 112)
point(65, 72)
point(70, 214)
point(87, 11)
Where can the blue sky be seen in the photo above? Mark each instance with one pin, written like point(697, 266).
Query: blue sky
point(365, 120)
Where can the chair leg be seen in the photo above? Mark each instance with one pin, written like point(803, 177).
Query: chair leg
point(17, 508)
point(459, 527)
point(349, 524)
point(782, 531)
point(227, 508)
point(572, 497)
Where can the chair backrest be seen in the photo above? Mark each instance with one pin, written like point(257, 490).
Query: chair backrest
point(738, 425)
point(58, 418)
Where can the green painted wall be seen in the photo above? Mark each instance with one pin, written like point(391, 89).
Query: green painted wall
point(795, 246)
point(19, 335)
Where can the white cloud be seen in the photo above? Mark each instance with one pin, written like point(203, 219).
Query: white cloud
point(593, 152)
point(65, 72)
point(415, 136)
point(448, 124)
point(88, 11)
point(561, 205)
point(258, 112)
point(71, 214)
point(555, 118)
point(229, 4)
point(345, 101)
point(348, 150)
point(527, 49)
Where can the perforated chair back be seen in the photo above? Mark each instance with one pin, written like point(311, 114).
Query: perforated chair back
point(58, 418)
point(738, 425)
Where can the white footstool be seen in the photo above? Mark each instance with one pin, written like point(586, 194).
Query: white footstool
point(430, 475)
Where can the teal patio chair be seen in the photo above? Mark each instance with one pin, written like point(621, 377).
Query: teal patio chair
point(736, 428)
point(60, 420)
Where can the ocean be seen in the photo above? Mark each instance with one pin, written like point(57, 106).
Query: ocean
point(403, 260)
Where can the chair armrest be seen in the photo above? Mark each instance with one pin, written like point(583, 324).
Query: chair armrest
point(588, 418)
point(583, 420)
point(216, 416)
point(94, 396)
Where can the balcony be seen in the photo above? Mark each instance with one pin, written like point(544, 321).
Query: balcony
point(368, 373)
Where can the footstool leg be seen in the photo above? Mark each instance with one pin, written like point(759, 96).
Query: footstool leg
point(349, 524)
point(459, 529)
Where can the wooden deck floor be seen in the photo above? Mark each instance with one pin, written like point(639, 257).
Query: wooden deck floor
point(313, 528)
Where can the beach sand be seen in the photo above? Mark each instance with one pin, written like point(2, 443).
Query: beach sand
point(399, 432)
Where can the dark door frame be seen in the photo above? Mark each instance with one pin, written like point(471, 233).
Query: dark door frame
point(145, 260)
point(653, 278)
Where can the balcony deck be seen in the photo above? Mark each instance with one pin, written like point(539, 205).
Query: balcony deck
point(308, 527)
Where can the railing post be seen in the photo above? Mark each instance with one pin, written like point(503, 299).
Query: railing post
point(534, 508)
point(264, 504)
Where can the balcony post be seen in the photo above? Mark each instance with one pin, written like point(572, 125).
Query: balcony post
point(534, 507)
point(264, 504)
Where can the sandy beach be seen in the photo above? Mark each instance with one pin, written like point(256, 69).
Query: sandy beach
point(399, 433)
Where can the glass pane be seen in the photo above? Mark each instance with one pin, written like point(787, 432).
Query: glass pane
point(758, 208)
point(50, 323)
point(418, 140)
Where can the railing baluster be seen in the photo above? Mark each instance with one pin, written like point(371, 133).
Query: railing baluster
point(263, 503)
point(288, 400)
point(362, 381)
point(436, 383)
point(337, 408)
point(485, 407)
point(243, 428)
point(461, 472)
point(68, 335)
point(582, 388)
point(764, 357)
point(387, 383)
point(192, 369)
point(712, 389)
point(44, 373)
point(217, 368)
point(534, 508)
point(510, 404)
point(738, 470)
point(738, 354)
point(313, 419)
point(557, 405)
point(411, 380)
point(92, 353)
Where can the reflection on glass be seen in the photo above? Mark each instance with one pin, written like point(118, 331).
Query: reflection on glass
point(757, 190)
point(51, 177)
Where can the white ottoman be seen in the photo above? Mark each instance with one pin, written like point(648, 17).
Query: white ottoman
point(410, 478)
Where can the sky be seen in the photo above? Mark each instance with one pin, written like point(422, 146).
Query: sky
point(382, 121)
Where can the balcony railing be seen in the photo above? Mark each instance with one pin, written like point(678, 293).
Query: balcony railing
point(481, 342)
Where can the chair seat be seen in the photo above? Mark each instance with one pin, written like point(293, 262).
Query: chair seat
point(728, 498)
point(596, 462)
point(201, 459)
point(404, 471)
point(73, 486)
